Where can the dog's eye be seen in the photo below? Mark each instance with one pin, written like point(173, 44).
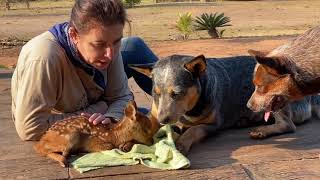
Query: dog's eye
point(175, 95)
point(260, 89)
point(156, 91)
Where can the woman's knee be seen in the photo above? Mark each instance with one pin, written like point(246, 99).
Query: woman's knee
point(133, 43)
point(134, 40)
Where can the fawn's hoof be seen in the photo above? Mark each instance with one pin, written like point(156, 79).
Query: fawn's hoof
point(126, 147)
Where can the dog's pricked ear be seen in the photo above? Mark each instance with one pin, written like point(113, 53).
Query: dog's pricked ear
point(197, 66)
point(145, 69)
point(130, 110)
point(257, 53)
point(278, 64)
point(271, 62)
point(261, 58)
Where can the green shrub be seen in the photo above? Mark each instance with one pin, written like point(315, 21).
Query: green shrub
point(131, 3)
point(211, 22)
point(185, 24)
point(2, 66)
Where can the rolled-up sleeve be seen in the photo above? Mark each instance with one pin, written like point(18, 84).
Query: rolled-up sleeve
point(38, 91)
point(117, 92)
point(39, 88)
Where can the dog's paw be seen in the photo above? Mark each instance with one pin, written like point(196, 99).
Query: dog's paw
point(183, 150)
point(256, 134)
point(182, 146)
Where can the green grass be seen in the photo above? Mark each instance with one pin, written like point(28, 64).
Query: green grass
point(275, 18)
point(38, 8)
point(42, 4)
point(146, 1)
point(43, 7)
point(3, 67)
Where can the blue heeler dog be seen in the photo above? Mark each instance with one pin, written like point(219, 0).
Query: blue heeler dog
point(202, 96)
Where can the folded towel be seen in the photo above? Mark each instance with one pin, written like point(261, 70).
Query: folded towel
point(161, 155)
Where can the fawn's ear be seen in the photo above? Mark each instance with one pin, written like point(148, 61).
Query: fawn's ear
point(131, 110)
point(196, 66)
point(145, 69)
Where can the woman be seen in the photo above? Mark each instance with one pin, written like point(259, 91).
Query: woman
point(76, 68)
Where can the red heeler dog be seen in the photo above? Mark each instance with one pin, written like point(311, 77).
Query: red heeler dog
point(283, 78)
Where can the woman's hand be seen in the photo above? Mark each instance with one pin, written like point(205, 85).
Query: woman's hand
point(97, 118)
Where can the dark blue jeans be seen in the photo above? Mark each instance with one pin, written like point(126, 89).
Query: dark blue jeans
point(134, 51)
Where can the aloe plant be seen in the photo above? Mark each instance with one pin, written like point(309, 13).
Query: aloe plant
point(211, 22)
point(185, 24)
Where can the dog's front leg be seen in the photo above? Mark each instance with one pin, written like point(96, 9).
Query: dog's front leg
point(194, 135)
point(283, 124)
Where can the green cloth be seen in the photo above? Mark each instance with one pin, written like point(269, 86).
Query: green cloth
point(161, 155)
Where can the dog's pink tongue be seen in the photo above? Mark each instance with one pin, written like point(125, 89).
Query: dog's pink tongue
point(266, 116)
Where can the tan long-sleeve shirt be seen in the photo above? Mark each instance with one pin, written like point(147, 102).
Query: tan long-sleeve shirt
point(47, 87)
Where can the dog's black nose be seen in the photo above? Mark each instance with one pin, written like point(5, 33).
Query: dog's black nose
point(176, 129)
point(164, 121)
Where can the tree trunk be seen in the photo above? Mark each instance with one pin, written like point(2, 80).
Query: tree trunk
point(7, 4)
point(213, 33)
point(28, 4)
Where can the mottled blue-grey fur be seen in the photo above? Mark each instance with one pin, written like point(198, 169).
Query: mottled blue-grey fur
point(226, 85)
point(218, 90)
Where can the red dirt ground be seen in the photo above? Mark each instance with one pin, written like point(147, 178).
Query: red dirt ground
point(208, 47)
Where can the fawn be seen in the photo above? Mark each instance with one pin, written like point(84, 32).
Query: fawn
point(77, 134)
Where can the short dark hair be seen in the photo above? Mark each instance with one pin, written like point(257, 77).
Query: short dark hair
point(87, 13)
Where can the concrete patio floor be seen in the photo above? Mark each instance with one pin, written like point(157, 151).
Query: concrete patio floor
point(229, 155)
